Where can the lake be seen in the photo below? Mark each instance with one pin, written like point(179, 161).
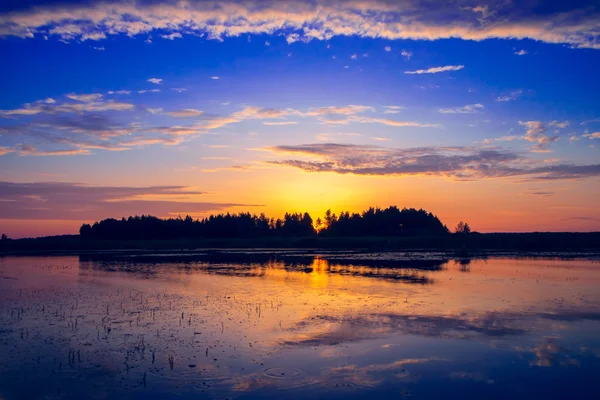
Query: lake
point(298, 324)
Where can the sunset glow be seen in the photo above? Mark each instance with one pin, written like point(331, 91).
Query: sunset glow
point(483, 111)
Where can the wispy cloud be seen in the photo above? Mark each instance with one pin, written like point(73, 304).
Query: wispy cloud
point(406, 54)
point(436, 70)
point(521, 52)
point(460, 163)
point(468, 109)
point(156, 81)
point(119, 92)
point(388, 48)
point(73, 201)
point(148, 91)
point(186, 113)
point(392, 109)
point(86, 98)
point(279, 123)
point(595, 135)
point(84, 103)
point(511, 96)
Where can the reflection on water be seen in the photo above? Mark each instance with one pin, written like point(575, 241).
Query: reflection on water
point(298, 325)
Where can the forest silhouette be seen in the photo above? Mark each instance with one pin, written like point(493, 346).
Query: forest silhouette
point(390, 221)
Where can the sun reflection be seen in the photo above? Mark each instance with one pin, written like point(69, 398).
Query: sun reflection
point(319, 277)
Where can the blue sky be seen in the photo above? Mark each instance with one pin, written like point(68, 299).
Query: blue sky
point(216, 96)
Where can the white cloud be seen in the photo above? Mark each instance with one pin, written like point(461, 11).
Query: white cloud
point(388, 48)
point(155, 110)
point(406, 54)
point(353, 57)
point(512, 96)
point(179, 90)
point(99, 48)
point(215, 77)
point(119, 92)
point(172, 36)
point(521, 52)
point(267, 43)
point(149, 91)
point(93, 36)
point(392, 109)
point(156, 81)
point(86, 98)
point(468, 109)
point(436, 70)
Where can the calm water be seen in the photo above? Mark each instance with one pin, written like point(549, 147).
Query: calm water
point(292, 325)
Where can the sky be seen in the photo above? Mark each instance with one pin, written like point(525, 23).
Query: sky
point(485, 111)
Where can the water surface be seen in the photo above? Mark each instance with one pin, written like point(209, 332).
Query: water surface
point(298, 325)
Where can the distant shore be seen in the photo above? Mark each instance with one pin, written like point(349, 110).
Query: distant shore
point(461, 245)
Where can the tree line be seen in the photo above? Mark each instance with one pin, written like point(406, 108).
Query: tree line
point(390, 221)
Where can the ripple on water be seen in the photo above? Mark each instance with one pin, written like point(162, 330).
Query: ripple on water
point(284, 372)
point(343, 385)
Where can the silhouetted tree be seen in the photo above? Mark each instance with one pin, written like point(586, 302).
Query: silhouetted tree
point(373, 222)
point(4, 237)
point(462, 228)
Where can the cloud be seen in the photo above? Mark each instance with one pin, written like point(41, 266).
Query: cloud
point(392, 109)
point(559, 124)
point(521, 52)
point(179, 90)
point(595, 135)
point(341, 110)
point(186, 113)
point(215, 78)
point(154, 110)
point(99, 48)
point(172, 36)
point(573, 23)
point(28, 150)
point(459, 163)
point(73, 201)
point(85, 98)
point(149, 91)
point(82, 132)
point(468, 109)
point(535, 133)
point(388, 48)
point(156, 81)
point(119, 92)
point(436, 70)
point(590, 121)
point(390, 122)
point(406, 54)
point(85, 103)
point(512, 96)
point(5, 150)
point(280, 123)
